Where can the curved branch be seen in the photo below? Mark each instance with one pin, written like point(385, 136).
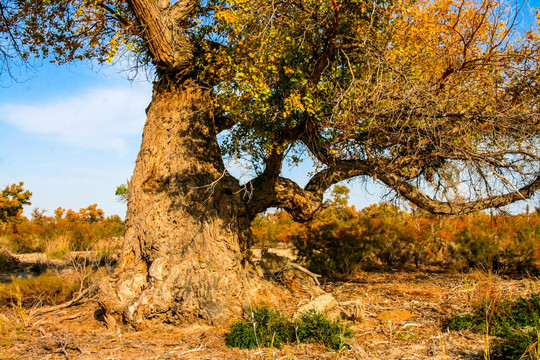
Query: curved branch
point(337, 172)
point(270, 190)
point(286, 194)
point(422, 200)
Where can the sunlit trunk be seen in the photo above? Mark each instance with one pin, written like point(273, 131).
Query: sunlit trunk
point(187, 229)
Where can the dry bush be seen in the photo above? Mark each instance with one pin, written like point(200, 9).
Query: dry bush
point(486, 291)
point(48, 288)
point(341, 240)
point(107, 249)
point(77, 231)
point(58, 247)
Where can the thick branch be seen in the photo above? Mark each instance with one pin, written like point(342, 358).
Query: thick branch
point(180, 10)
point(274, 163)
point(161, 28)
point(420, 199)
point(286, 194)
point(222, 122)
point(339, 171)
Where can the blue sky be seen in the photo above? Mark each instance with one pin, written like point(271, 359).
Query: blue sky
point(72, 133)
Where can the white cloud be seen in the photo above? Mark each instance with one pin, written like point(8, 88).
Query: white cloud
point(97, 118)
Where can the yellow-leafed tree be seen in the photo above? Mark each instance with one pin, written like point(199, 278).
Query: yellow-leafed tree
point(437, 100)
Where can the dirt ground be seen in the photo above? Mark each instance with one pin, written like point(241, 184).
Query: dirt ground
point(403, 313)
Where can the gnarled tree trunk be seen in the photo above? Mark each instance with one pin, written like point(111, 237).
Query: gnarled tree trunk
point(186, 226)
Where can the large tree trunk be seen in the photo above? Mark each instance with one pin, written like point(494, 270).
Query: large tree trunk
point(186, 226)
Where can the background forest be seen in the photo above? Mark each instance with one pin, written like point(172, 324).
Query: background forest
point(60, 259)
point(340, 241)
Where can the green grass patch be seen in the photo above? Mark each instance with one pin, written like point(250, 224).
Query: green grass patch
point(516, 324)
point(264, 327)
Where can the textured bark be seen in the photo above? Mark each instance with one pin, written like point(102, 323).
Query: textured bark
point(187, 227)
point(161, 25)
point(188, 224)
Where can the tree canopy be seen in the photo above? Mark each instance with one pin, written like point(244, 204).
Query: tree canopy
point(438, 100)
point(417, 94)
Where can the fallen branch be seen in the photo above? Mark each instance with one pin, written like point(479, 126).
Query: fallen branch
point(176, 349)
point(305, 271)
point(8, 261)
point(72, 302)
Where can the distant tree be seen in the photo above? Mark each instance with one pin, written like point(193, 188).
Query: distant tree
point(38, 216)
point(59, 213)
point(91, 214)
point(339, 196)
point(275, 229)
point(334, 243)
point(12, 200)
point(121, 193)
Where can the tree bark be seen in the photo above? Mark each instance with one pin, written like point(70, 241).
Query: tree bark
point(186, 225)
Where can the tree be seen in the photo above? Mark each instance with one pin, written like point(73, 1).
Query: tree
point(121, 193)
point(91, 214)
point(13, 198)
point(427, 97)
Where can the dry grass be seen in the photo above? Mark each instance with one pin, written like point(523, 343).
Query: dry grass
point(485, 288)
point(48, 288)
point(4, 241)
point(58, 247)
point(403, 313)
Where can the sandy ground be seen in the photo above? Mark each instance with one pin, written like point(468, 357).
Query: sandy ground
point(403, 313)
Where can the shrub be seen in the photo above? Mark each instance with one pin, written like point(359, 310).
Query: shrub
point(496, 243)
point(334, 244)
point(264, 327)
point(45, 289)
point(271, 230)
point(515, 322)
point(341, 240)
point(21, 244)
point(314, 327)
point(466, 321)
point(77, 231)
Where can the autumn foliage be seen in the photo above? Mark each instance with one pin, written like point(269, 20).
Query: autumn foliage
point(12, 200)
point(431, 93)
point(75, 230)
point(343, 240)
